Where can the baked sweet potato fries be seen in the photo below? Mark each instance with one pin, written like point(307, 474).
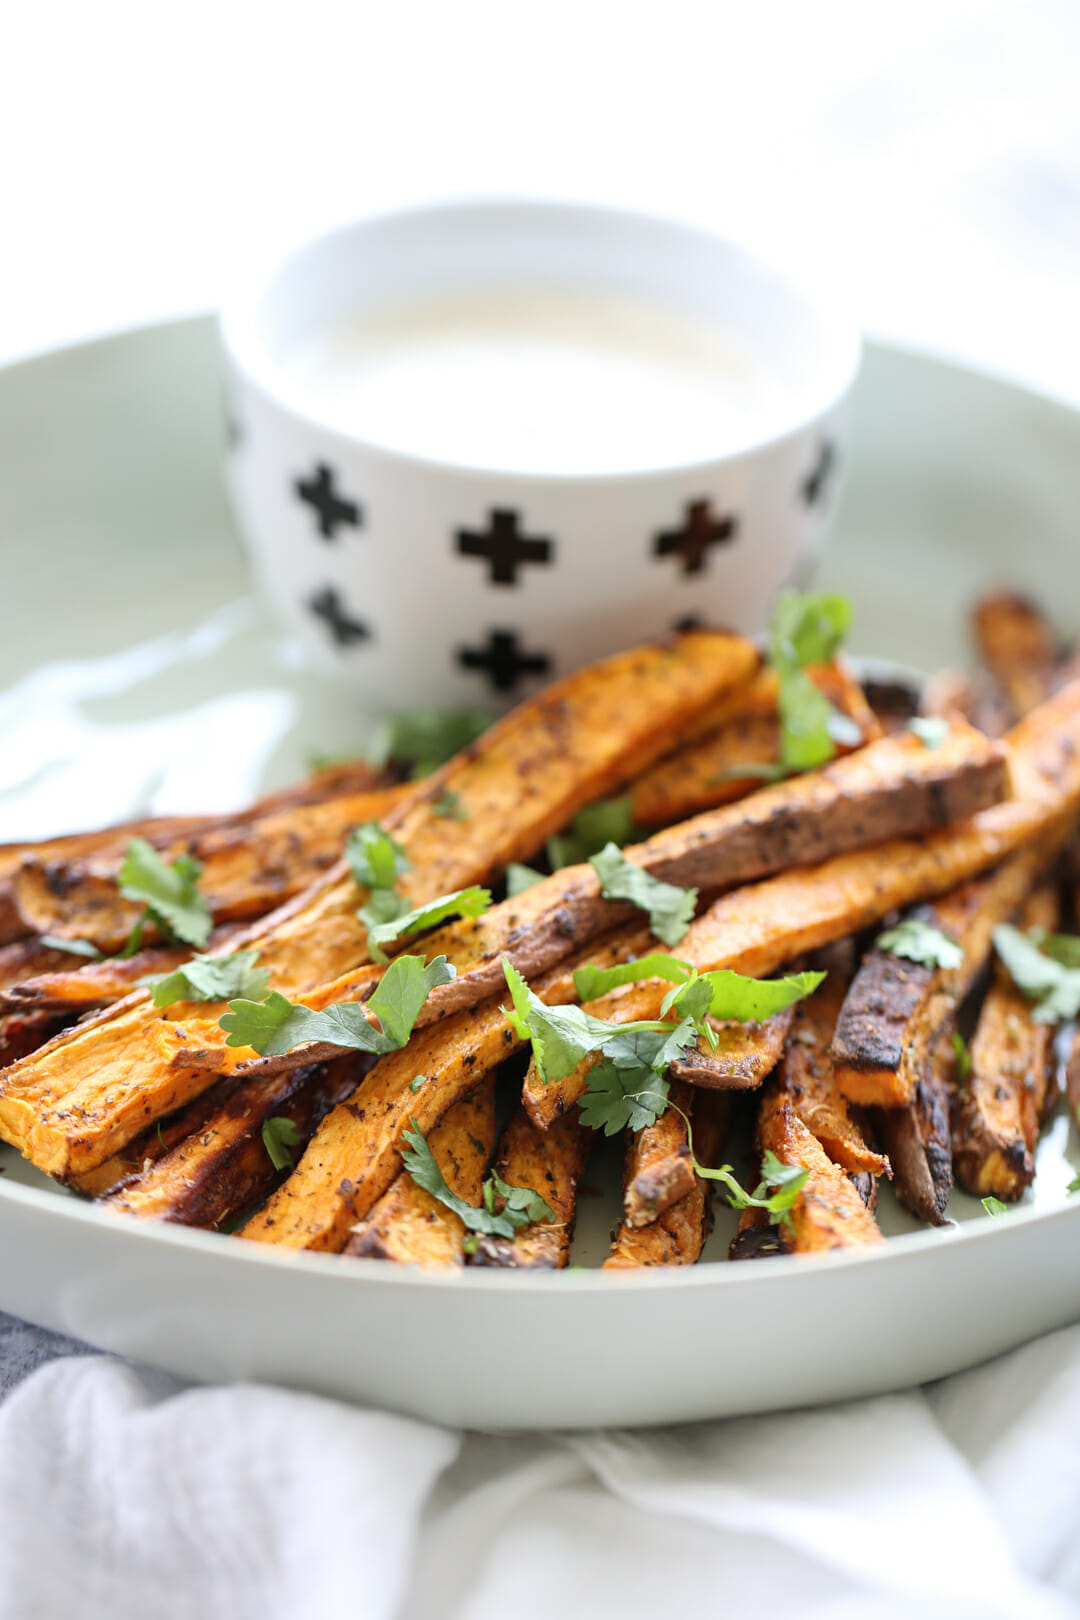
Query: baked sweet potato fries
point(728, 905)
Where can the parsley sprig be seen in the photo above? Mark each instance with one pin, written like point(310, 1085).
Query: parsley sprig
point(170, 893)
point(503, 1209)
point(279, 1025)
point(377, 861)
point(670, 909)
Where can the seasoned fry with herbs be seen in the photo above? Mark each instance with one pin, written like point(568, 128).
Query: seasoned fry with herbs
point(916, 1137)
point(551, 1163)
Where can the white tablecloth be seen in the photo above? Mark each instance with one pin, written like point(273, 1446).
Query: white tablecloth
point(126, 1496)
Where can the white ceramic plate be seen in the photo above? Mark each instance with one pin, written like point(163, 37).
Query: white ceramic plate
point(128, 634)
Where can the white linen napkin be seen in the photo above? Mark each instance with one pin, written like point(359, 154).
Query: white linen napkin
point(128, 1496)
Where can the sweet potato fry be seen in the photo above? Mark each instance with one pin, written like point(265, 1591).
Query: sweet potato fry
point(1001, 1104)
point(354, 1156)
point(745, 1055)
point(916, 1137)
point(224, 1166)
point(895, 1008)
point(550, 1163)
point(704, 774)
point(22, 960)
point(971, 696)
point(153, 1143)
point(807, 1078)
point(677, 1233)
point(757, 929)
point(1018, 647)
point(248, 868)
point(660, 1170)
point(828, 1213)
point(407, 1224)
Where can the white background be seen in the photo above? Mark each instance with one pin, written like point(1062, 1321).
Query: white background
point(924, 154)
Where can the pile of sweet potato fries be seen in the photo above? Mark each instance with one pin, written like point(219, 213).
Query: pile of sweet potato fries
point(915, 880)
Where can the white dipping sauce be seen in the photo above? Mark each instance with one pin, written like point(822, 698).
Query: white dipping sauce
point(549, 381)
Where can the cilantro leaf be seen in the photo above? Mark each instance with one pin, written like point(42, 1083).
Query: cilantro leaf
point(169, 890)
point(382, 906)
point(74, 947)
point(561, 1036)
point(377, 860)
point(1054, 988)
point(994, 1206)
point(962, 1055)
point(806, 716)
point(919, 941)
point(804, 630)
point(426, 739)
point(787, 1180)
point(521, 1205)
point(416, 1082)
point(617, 1099)
point(670, 909)
point(279, 1135)
point(721, 994)
point(279, 1025)
point(808, 628)
point(609, 821)
point(449, 807)
point(471, 902)
point(1074, 1185)
point(519, 878)
point(1063, 948)
point(931, 730)
point(210, 978)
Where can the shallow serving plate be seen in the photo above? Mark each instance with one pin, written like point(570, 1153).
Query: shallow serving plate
point(135, 672)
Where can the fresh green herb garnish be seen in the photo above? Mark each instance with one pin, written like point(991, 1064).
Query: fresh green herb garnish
point(1053, 987)
point(210, 978)
point(731, 996)
point(1063, 948)
point(670, 909)
point(1074, 1185)
point(611, 821)
point(519, 878)
point(919, 941)
point(804, 630)
point(74, 947)
point(520, 1205)
point(376, 859)
point(417, 1081)
point(279, 1135)
point(787, 1180)
point(425, 739)
point(449, 807)
point(931, 730)
point(562, 1036)
point(962, 1055)
point(471, 902)
point(278, 1025)
point(169, 891)
point(994, 1206)
point(627, 1088)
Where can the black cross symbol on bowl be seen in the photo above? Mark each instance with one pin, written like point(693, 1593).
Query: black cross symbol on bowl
point(502, 661)
point(503, 546)
point(692, 543)
point(333, 511)
point(327, 605)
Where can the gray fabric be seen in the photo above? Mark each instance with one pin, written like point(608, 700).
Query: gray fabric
point(24, 1347)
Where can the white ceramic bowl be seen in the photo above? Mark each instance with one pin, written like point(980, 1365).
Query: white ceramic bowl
point(454, 555)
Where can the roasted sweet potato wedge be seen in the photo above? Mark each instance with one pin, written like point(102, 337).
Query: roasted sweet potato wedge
point(224, 1166)
point(676, 1233)
point(757, 929)
point(829, 1213)
point(896, 1009)
point(916, 1137)
point(971, 696)
point(407, 1224)
point(745, 1055)
point(704, 774)
point(1018, 647)
point(550, 1163)
point(660, 1170)
point(999, 1107)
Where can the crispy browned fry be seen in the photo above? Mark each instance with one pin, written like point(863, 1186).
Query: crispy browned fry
point(974, 697)
point(894, 698)
point(551, 1164)
point(81, 1098)
point(225, 1166)
point(23, 1032)
point(745, 1055)
point(701, 775)
point(22, 960)
point(354, 1156)
point(677, 1234)
point(916, 1137)
point(895, 1008)
point(806, 1077)
point(660, 1169)
point(756, 930)
point(248, 868)
point(828, 1213)
point(1000, 1105)
point(1018, 647)
point(68, 988)
point(410, 1226)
